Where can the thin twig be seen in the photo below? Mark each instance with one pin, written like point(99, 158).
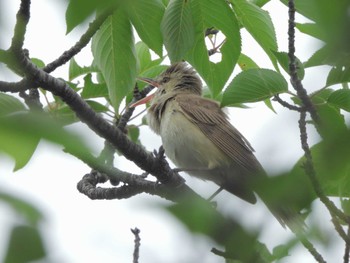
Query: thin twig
point(347, 249)
point(286, 104)
point(137, 242)
point(296, 82)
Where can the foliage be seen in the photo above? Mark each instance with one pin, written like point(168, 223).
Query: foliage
point(181, 30)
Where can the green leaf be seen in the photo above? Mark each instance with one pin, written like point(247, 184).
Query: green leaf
point(217, 14)
point(283, 60)
point(10, 104)
point(178, 29)
point(146, 16)
point(321, 57)
point(38, 62)
point(79, 10)
point(66, 116)
point(340, 99)
point(311, 29)
point(20, 134)
point(239, 243)
point(75, 70)
point(25, 245)
point(133, 133)
point(114, 52)
point(245, 62)
point(93, 90)
point(338, 75)
point(151, 72)
point(254, 85)
point(259, 24)
point(143, 55)
point(25, 209)
point(260, 3)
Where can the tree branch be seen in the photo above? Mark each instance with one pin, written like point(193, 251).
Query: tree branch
point(136, 233)
point(295, 81)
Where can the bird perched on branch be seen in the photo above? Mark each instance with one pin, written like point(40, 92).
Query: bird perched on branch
point(198, 137)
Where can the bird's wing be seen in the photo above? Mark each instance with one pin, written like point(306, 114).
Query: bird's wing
point(212, 121)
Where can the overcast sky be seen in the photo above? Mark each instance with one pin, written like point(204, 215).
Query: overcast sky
point(80, 230)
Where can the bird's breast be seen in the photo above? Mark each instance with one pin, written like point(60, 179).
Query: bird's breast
point(186, 145)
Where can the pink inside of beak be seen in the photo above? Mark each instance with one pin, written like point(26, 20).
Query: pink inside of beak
point(142, 101)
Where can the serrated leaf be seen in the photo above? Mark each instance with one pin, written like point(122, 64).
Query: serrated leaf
point(254, 85)
point(79, 10)
point(217, 14)
point(146, 16)
point(245, 62)
point(114, 53)
point(283, 60)
point(178, 29)
point(340, 99)
point(75, 70)
point(259, 24)
point(10, 104)
point(93, 90)
point(311, 29)
point(338, 75)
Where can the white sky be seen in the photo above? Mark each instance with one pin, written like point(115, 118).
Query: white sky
point(80, 230)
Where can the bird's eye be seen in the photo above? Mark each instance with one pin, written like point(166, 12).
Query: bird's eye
point(165, 79)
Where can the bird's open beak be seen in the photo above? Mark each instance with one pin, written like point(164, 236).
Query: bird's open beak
point(149, 97)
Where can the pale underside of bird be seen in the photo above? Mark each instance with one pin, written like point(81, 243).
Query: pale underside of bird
point(197, 135)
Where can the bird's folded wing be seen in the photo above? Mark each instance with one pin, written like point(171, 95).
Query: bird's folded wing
point(212, 121)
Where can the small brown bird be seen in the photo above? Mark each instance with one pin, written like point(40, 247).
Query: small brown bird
point(197, 135)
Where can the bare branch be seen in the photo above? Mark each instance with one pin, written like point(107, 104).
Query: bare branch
point(136, 233)
point(296, 82)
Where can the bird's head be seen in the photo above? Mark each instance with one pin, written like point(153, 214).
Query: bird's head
point(178, 78)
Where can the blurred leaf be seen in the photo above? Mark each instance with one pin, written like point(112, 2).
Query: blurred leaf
point(254, 85)
point(66, 116)
point(338, 75)
point(133, 133)
point(333, 122)
point(20, 135)
point(280, 251)
point(259, 24)
point(25, 245)
point(178, 29)
point(75, 70)
point(206, 14)
point(79, 10)
point(31, 214)
point(114, 53)
point(320, 57)
point(38, 62)
point(93, 90)
point(146, 16)
point(245, 62)
point(345, 204)
point(283, 60)
point(10, 104)
point(200, 217)
point(341, 99)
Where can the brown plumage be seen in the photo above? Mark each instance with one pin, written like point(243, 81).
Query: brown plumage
point(198, 137)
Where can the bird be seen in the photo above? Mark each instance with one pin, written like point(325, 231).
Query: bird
point(198, 137)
